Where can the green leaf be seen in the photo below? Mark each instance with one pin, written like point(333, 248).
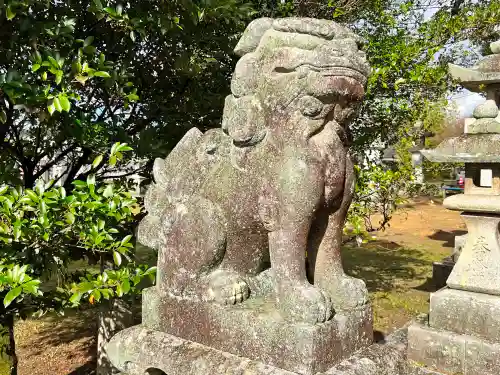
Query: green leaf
point(81, 79)
point(126, 239)
point(110, 11)
point(32, 195)
point(79, 183)
point(65, 103)
point(98, 4)
point(12, 295)
point(75, 298)
point(3, 117)
point(102, 74)
point(35, 67)
point(108, 191)
point(51, 107)
point(112, 160)
point(117, 258)
point(89, 50)
point(88, 41)
point(31, 286)
point(59, 75)
point(100, 224)
point(96, 294)
point(57, 105)
point(125, 286)
point(132, 36)
point(70, 218)
point(3, 190)
point(114, 148)
point(10, 13)
point(91, 179)
point(97, 161)
point(124, 147)
point(53, 62)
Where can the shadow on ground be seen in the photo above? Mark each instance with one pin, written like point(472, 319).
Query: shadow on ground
point(428, 286)
point(86, 369)
point(448, 238)
point(75, 326)
point(383, 263)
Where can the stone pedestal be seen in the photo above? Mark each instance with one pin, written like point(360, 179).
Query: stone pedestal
point(139, 351)
point(462, 335)
point(452, 353)
point(257, 331)
point(478, 267)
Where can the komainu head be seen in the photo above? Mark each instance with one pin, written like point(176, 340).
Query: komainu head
point(294, 75)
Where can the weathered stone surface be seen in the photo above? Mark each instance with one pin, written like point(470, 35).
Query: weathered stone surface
point(468, 148)
point(488, 109)
point(274, 181)
point(482, 358)
point(484, 126)
point(473, 79)
point(137, 350)
point(387, 358)
point(458, 246)
point(495, 47)
point(462, 312)
point(473, 203)
point(140, 350)
point(438, 350)
point(478, 268)
point(451, 353)
point(255, 329)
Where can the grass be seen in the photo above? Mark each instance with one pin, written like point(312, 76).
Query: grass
point(398, 279)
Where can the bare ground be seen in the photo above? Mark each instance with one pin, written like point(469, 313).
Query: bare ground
point(396, 267)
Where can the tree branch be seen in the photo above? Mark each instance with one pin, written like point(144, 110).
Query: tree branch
point(53, 162)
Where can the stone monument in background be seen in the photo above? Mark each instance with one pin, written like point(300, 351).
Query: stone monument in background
point(462, 335)
point(233, 213)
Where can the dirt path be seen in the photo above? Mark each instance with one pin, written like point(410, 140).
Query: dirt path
point(396, 267)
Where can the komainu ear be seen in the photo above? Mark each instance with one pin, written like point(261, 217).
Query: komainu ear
point(244, 120)
point(252, 35)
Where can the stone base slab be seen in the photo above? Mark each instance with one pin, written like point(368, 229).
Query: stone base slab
point(467, 313)
point(256, 330)
point(140, 351)
point(452, 353)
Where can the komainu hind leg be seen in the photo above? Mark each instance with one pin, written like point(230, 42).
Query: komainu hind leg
point(194, 247)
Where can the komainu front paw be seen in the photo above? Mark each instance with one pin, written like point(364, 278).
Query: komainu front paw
point(306, 303)
point(347, 292)
point(227, 288)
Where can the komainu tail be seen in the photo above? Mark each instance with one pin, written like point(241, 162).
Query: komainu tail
point(176, 179)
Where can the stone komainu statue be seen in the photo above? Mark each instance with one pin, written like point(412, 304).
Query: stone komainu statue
point(234, 211)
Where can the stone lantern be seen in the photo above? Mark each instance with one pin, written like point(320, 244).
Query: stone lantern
point(462, 334)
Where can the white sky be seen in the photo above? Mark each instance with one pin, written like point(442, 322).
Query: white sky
point(466, 101)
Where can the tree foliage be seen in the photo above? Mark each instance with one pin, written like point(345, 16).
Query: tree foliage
point(44, 230)
point(76, 76)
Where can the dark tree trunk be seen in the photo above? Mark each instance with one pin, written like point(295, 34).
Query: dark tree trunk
point(11, 349)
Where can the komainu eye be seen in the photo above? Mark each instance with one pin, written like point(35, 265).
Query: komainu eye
point(311, 106)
